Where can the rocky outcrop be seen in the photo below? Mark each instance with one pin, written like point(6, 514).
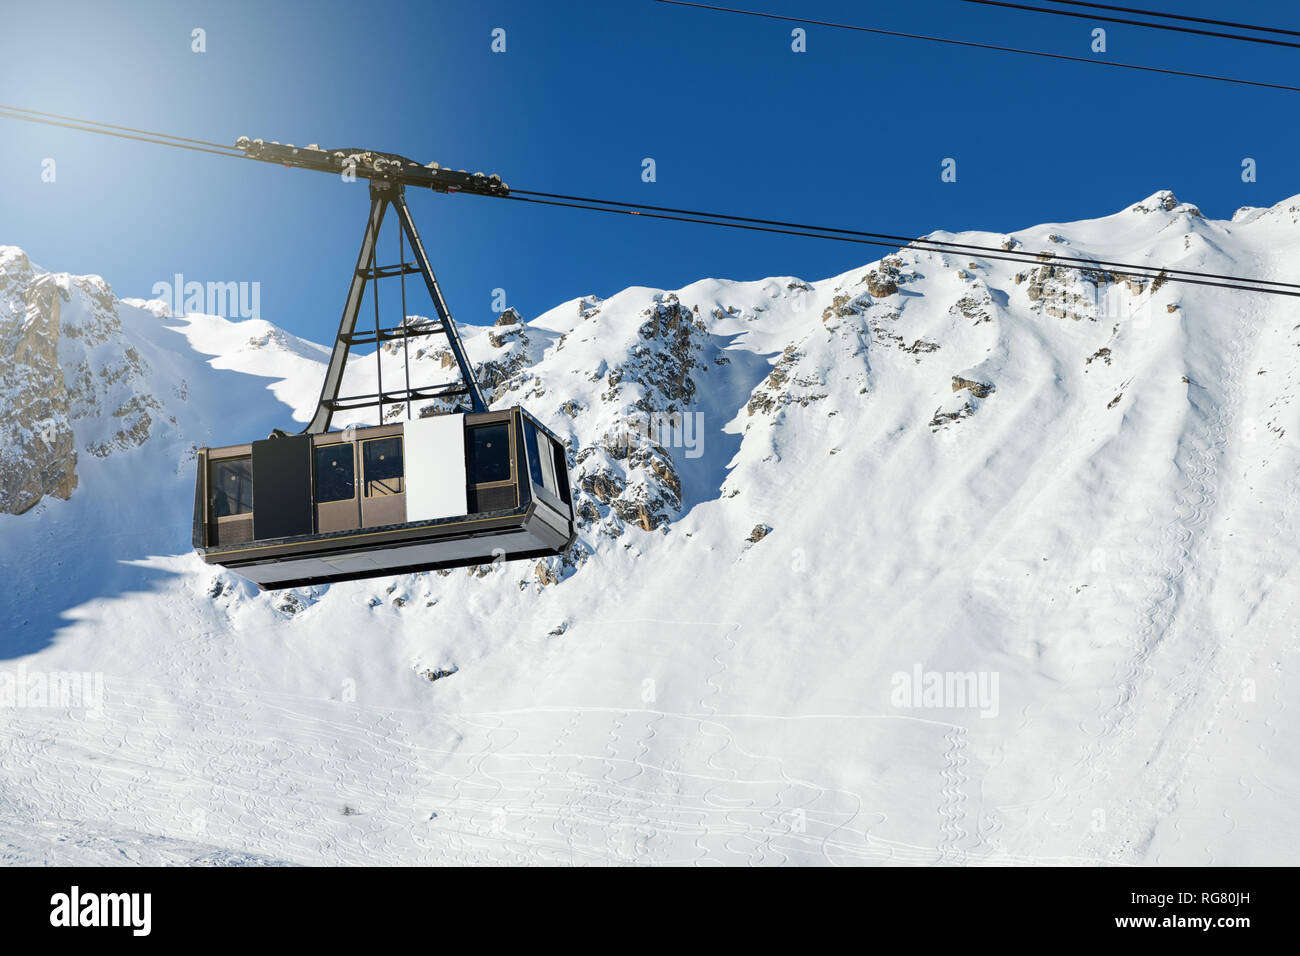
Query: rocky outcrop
point(550, 571)
point(68, 377)
point(667, 354)
point(785, 385)
point(1076, 294)
point(942, 418)
point(1163, 200)
point(974, 308)
point(978, 389)
point(842, 306)
point(627, 477)
point(37, 446)
point(883, 281)
point(648, 498)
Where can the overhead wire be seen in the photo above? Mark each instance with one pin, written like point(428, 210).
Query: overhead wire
point(727, 220)
point(1107, 18)
point(895, 239)
point(1241, 284)
point(107, 129)
point(129, 129)
point(985, 46)
point(1179, 16)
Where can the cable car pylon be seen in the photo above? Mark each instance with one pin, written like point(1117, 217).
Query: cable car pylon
point(389, 174)
point(382, 195)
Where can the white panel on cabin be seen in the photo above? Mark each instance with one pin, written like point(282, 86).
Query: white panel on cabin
point(435, 467)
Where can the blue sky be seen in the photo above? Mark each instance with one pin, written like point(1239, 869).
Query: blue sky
point(850, 133)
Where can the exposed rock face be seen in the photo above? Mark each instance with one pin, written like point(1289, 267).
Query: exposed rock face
point(978, 389)
point(545, 574)
point(1164, 199)
point(1075, 294)
point(884, 281)
point(975, 308)
point(787, 384)
point(942, 418)
point(668, 351)
point(64, 360)
point(553, 570)
point(648, 497)
point(771, 393)
point(881, 285)
point(602, 485)
point(37, 446)
point(845, 306)
point(628, 475)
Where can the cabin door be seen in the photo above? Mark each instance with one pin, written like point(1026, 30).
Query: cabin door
point(383, 481)
point(338, 504)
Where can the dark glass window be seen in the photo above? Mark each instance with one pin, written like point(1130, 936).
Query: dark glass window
point(230, 487)
point(488, 456)
point(561, 473)
point(382, 464)
point(335, 474)
point(534, 453)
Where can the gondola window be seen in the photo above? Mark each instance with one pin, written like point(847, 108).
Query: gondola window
point(335, 473)
point(534, 453)
point(488, 454)
point(231, 488)
point(384, 470)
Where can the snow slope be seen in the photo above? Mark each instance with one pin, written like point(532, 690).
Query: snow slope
point(1079, 490)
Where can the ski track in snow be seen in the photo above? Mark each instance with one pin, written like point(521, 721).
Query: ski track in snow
point(1182, 553)
point(495, 800)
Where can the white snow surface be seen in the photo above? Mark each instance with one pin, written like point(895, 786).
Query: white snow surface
point(1116, 541)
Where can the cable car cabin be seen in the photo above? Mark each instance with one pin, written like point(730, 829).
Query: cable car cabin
point(420, 495)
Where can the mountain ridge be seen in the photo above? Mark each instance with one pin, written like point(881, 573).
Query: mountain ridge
point(1082, 484)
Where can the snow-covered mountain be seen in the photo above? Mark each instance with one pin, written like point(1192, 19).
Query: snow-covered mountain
point(941, 560)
